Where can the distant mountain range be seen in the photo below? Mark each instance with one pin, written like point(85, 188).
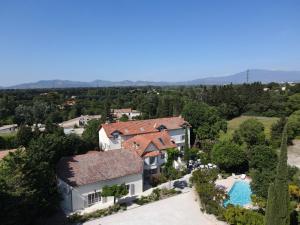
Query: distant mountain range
point(263, 76)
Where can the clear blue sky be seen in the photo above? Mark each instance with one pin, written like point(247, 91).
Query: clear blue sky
point(145, 39)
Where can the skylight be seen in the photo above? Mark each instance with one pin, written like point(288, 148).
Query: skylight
point(161, 141)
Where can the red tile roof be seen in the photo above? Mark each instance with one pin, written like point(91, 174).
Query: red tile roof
point(98, 166)
point(128, 110)
point(152, 154)
point(143, 126)
point(4, 153)
point(161, 140)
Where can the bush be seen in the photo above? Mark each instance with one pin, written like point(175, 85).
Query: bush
point(229, 156)
point(157, 194)
point(157, 179)
point(240, 216)
point(8, 142)
point(77, 218)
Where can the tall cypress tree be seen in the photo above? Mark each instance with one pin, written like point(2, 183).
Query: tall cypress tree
point(277, 212)
point(186, 146)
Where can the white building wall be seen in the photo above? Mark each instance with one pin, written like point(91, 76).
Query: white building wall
point(177, 136)
point(134, 114)
point(158, 160)
point(107, 143)
point(79, 195)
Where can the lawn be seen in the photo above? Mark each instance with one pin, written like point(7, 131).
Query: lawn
point(236, 122)
point(8, 134)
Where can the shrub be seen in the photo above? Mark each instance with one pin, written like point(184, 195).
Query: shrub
point(240, 216)
point(229, 156)
point(157, 179)
point(156, 195)
point(77, 218)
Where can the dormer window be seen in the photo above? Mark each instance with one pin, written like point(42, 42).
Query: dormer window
point(161, 128)
point(115, 135)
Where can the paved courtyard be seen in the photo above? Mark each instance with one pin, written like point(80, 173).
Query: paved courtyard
point(177, 210)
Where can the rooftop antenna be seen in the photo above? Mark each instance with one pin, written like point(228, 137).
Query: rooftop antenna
point(247, 76)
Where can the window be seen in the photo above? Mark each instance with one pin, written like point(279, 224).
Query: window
point(127, 187)
point(182, 137)
point(161, 127)
point(152, 160)
point(162, 155)
point(94, 198)
point(115, 135)
point(132, 189)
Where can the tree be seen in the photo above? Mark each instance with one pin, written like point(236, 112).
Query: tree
point(251, 132)
point(210, 195)
point(172, 154)
point(76, 145)
point(186, 146)
point(293, 126)
point(277, 212)
point(52, 128)
point(117, 191)
point(24, 135)
point(124, 118)
point(276, 132)
point(229, 156)
point(24, 115)
point(39, 111)
point(15, 197)
point(169, 171)
point(90, 134)
point(262, 163)
point(293, 103)
point(106, 114)
point(205, 121)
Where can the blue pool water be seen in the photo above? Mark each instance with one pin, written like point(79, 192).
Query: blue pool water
point(239, 194)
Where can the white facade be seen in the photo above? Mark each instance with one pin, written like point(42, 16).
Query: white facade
point(79, 121)
point(129, 113)
point(178, 136)
point(154, 163)
point(112, 143)
point(77, 198)
point(106, 143)
point(8, 128)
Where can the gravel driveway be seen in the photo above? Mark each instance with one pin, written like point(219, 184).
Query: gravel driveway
point(294, 154)
point(177, 210)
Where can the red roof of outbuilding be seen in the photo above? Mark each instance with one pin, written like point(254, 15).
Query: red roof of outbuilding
point(4, 153)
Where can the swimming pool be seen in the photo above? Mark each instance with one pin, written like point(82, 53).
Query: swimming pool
point(239, 194)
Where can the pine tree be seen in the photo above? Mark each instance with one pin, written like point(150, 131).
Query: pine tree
point(277, 212)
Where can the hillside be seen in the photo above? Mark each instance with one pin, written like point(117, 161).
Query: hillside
point(263, 76)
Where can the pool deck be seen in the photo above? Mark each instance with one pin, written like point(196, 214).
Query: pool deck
point(229, 181)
